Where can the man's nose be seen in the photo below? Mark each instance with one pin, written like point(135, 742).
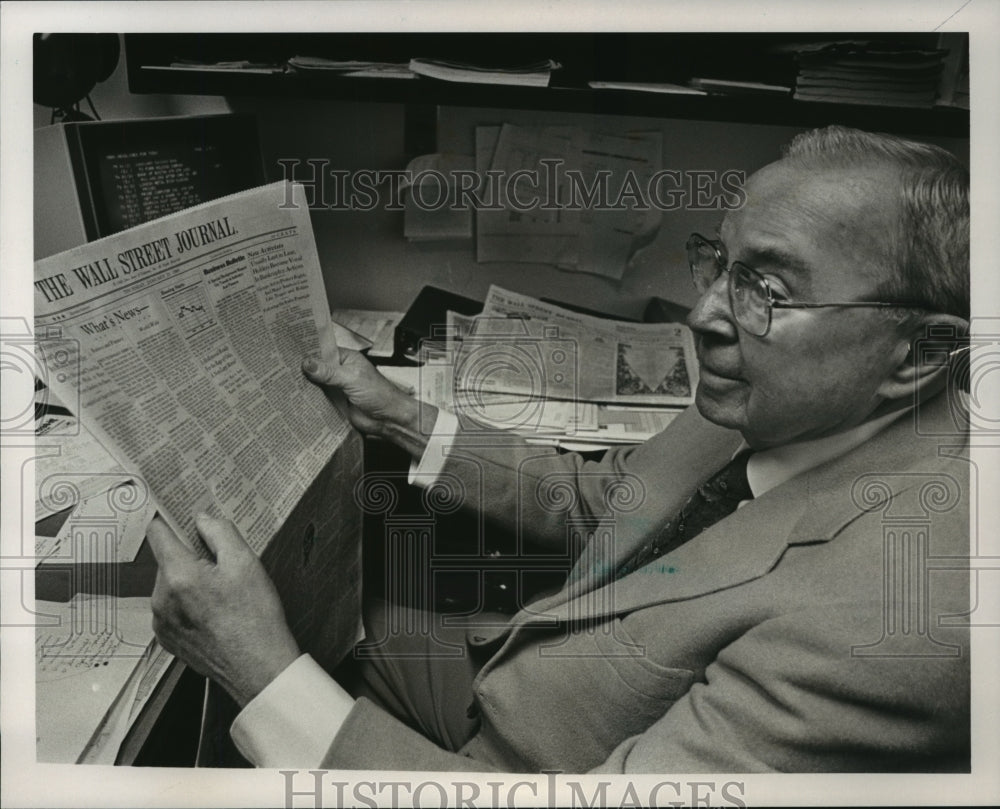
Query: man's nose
point(712, 312)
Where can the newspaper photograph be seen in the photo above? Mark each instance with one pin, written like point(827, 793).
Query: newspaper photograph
point(179, 344)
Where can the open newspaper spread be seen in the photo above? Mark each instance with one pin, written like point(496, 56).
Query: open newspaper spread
point(521, 345)
point(178, 344)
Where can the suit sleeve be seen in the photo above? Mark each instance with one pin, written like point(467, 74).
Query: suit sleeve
point(372, 739)
point(786, 696)
point(790, 695)
point(533, 491)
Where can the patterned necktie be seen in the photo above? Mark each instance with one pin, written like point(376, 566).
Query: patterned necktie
point(715, 499)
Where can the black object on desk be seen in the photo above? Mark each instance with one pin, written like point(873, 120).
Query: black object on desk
point(427, 315)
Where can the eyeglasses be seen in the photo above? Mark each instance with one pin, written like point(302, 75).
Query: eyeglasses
point(750, 294)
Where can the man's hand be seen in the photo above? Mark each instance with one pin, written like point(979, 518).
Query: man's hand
point(223, 619)
point(374, 405)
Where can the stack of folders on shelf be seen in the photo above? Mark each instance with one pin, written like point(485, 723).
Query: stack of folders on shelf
point(953, 91)
point(351, 68)
point(869, 73)
point(532, 74)
point(556, 376)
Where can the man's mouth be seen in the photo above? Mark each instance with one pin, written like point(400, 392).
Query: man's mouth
point(717, 372)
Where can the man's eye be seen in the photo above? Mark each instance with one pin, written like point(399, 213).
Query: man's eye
point(778, 291)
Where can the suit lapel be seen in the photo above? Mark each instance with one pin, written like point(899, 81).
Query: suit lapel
point(812, 507)
point(735, 550)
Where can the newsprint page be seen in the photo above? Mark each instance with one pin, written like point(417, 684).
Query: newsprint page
point(179, 345)
point(160, 370)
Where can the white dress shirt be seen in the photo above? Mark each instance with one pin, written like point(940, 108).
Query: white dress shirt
point(279, 727)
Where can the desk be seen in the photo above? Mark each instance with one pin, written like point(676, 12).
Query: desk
point(58, 582)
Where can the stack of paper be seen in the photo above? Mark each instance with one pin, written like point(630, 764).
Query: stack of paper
point(954, 88)
point(96, 663)
point(352, 68)
point(533, 74)
point(235, 66)
point(556, 376)
point(868, 73)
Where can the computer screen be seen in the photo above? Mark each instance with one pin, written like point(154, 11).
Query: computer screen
point(140, 170)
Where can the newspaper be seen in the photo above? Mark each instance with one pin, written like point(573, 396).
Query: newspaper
point(521, 345)
point(179, 344)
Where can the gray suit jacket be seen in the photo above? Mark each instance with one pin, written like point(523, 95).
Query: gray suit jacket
point(819, 628)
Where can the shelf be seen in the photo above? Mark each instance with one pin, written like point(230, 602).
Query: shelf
point(620, 57)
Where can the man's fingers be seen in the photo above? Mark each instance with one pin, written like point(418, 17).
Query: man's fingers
point(221, 536)
point(164, 543)
point(330, 373)
point(328, 348)
point(320, 371)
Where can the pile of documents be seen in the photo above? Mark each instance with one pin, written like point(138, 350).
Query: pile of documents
point(351, 68)
point(555, 376)
point(868, 73)
point(584, 204)
point(531, 74)
point(96, 666)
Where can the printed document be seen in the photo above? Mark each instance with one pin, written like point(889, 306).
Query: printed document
point(179, 343)
point(525, 346)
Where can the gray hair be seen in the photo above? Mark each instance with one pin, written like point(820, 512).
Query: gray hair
point(930, 251)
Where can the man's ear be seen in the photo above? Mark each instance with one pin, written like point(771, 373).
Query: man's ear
point(931, 345)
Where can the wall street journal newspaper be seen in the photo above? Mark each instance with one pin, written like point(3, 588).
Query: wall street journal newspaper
point(521, 345)
point(179, 345)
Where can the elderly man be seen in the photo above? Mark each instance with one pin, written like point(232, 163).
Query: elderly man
point(754, 608)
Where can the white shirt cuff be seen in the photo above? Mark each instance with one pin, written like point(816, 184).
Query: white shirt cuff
point(293, 721)
point(425, 471)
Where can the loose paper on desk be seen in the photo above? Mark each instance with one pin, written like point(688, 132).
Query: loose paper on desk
point(524, 345)
point(86, 650)
point(71, 465)
point(377, 328)
point(573, 198)
point(105, 744)
point(107, 528)
point(179, 344)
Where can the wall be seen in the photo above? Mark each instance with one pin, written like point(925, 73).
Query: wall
point(368, 264)
point(366, 261)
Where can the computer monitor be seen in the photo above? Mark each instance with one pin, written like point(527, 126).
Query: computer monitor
point(96, 178)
